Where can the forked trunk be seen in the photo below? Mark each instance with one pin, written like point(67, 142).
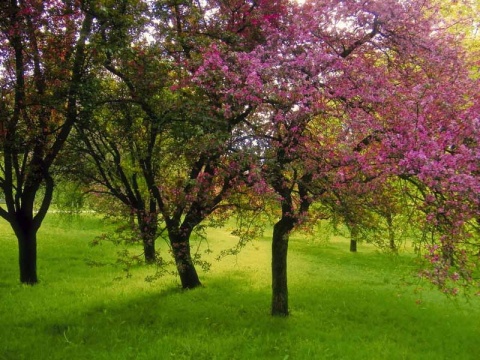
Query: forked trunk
point(180, 243)
point(281, 232)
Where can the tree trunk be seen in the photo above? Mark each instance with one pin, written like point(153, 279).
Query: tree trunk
point(353, 245)
point(149, 250)
point(353, 238)
point(281, 232)
point(27, 250)
point(391, 233)
point(180, 242)
point(148, 225)
point(448, 253)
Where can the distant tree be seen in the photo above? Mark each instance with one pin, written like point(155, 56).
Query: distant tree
point(44, 66)
point(353, 212)
point(380, 211)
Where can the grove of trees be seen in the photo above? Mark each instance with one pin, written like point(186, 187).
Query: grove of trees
point(364, 112)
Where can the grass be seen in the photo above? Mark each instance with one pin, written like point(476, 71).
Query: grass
point(343, 305)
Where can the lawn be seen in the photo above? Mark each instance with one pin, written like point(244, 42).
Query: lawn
point(367, 305)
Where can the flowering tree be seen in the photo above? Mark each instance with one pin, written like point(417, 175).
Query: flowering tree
point(43, 63)
point(155, 129)
point(349, 87)
point(208, 158)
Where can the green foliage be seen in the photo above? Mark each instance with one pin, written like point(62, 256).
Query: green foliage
point(344, 306)
point(69, 197)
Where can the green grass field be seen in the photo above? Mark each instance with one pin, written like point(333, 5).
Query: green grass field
point(343, 306)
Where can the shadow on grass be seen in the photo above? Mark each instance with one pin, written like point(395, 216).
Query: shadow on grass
point(344, 306)
point(229, 319)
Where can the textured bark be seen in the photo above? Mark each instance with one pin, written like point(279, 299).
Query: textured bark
point(149, 249)
point(180, 242)
point(281, 232)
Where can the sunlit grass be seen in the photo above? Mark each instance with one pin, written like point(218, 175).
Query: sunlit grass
point(367, 305)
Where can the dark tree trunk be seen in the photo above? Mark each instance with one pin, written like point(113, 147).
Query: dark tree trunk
point(447, 252)
point(27, 251)
point(149, 250)
point(353, 245)
point(180, 242)
point(281, 232)
point(353, 238)
point(391, 233)
point(148, 231)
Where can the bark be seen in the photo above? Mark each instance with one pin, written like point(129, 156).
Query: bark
point(148, 235)
point(353, 238)
point(180, 242)
point(448, 254)
point(353, 245)
point(148, 232)
point(27, 250)
point(281, 232)
point(391, 233)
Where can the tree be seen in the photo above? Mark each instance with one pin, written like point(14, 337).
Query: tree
point(43, 61)
point(214, 157)
point(339, 88)
point(111, 144)
point(169, 138)
point(379, 211)
point(119, 131)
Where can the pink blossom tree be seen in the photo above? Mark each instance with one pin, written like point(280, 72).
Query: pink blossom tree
point(351, 87)
point(212, 160)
